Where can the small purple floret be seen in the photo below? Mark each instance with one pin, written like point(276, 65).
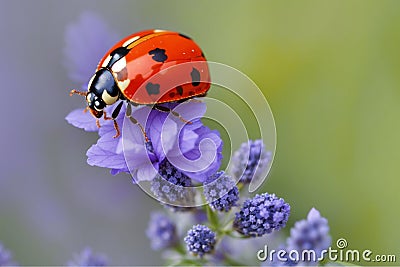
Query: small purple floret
point(200, 240)
point(310, 234)
point(250, 161)
point(6, 257)
point(88, 258)
point(262, 215)
point(221, 192)
point(161, 231)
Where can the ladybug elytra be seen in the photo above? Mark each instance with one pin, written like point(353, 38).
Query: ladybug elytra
point(147, 68)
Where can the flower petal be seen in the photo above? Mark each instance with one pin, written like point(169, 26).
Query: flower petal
point(82, 120)
point(97, 156)
point(191, 110)
point(146, 172)
point(313, 214)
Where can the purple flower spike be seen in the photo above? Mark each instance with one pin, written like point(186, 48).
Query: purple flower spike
point(221, 192)
point(250, 161)
point(200, 240)
point(88, 258)
point(161, 231)
point(262, 215)
point(87, 40)
point(310, 234)
point(173, 188)
point(6, 257)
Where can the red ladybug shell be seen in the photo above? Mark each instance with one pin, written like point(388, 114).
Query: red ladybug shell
point(161, 66)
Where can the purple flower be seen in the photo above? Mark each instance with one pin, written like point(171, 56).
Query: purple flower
point(88, 258)
point(86, 42)
point(193, 149)
point(161, 231)
point(173, 188)
point(6, 257)
point(221, 192)
point(310, 234)
point(250, 161)
point(200, 240)
point(107, 152)
point(261, 215)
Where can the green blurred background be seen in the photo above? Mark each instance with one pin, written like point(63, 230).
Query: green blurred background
point(329, 69)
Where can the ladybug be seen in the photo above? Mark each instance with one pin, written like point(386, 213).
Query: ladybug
point(147, 68)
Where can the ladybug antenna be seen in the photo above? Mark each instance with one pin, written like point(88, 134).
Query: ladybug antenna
point(76, 92)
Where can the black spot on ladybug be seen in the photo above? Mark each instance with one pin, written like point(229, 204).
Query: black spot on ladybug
point(153, 88)
point(185, 36)
point(158, 55)
point(195, 77)
point(179, 89)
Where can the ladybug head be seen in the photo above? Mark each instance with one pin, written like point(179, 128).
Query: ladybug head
point(103, 91)
point(95, 104)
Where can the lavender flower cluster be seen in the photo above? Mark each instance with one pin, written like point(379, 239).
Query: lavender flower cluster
point(261, 215)
point(221, 192)
point(200, 240)
point(230, 211)
point(6, 257)
point(83, 259)
point(88, 258)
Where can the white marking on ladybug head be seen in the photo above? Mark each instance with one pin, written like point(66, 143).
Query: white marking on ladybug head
point(91, 81)
point(88, 97)
point(109, 100)
point(106, 61)
point(131, 40)
point(119, 65)
point(123, 84)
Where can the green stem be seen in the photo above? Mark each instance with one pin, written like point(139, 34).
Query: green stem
point(180, 249)
point(232, 262)
point(344, 263)
point(238, 236)
point(212, 217)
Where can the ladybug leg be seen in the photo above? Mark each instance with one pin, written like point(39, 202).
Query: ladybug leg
point(75, 92)
point(114, 115)
point(168, 110)
point(105, 116)
point(116, 127)
point(97, 123)
point(133, 104)
point(135, 121)
point(117, 131)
